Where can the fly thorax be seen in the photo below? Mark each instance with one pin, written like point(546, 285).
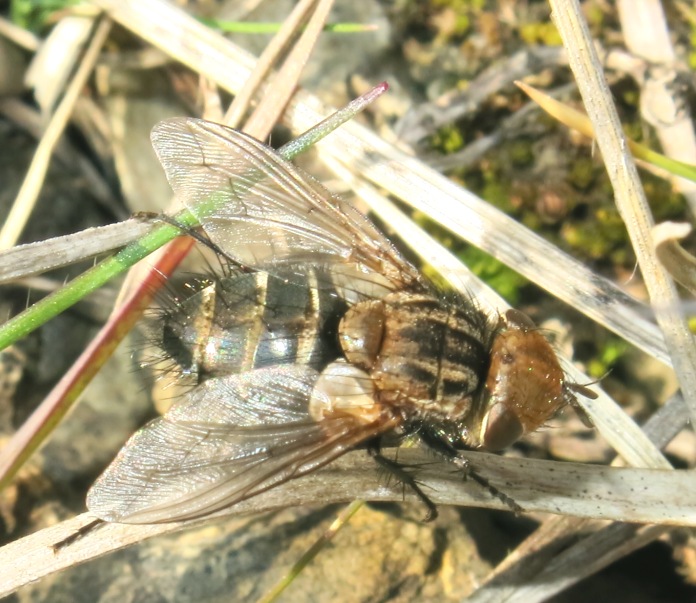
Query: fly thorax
point(420, 351)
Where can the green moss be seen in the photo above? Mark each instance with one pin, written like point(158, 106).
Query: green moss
point(692, 324)
point(582, 173)
point(634, 131)
point(33, 14)
point(496, 192)
point(665, 202)
point(448, 139)
point(692, 45)
point(541, 33)
point(613, 349)
point(462, 24)
point(599, 238)
point(494, 273)
point(532, 220)
point(610, 224)
point(630, 97)
point(461, 6)
point(520, 152)
point(594, 16)
point(497, 275)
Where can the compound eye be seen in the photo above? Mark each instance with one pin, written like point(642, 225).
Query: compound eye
point(501, 428)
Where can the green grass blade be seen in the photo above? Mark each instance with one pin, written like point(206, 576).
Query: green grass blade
point(52, 305)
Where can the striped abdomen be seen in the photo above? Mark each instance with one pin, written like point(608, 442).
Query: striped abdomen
point(254, 320)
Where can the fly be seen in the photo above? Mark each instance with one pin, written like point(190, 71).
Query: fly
point(321, 339)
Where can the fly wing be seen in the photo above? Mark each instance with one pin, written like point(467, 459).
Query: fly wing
point(230, 439)
point(264, 212)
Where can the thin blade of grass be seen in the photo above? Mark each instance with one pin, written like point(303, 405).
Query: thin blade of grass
point(289, 72)
point(264, 66)
point(47, 308)
point(579, 121)
point(629, 195)
point(543, 486)
point(343, 518)
point(572, 536)
point(34, 431)
point(42, 422)
point(250, 27)
point(42, 256)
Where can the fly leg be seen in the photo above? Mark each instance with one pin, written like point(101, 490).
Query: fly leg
point(399, 471)
point(193, 233)
point(469, 472)
point(79, 533)
point(452, 454)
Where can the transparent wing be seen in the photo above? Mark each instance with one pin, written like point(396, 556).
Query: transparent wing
point(264, 212)
point(230, 439)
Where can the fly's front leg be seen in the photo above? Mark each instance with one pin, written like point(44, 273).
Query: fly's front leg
point(468, 471)
point(444, 448)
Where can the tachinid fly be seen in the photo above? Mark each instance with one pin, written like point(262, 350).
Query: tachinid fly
point(322, 338)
